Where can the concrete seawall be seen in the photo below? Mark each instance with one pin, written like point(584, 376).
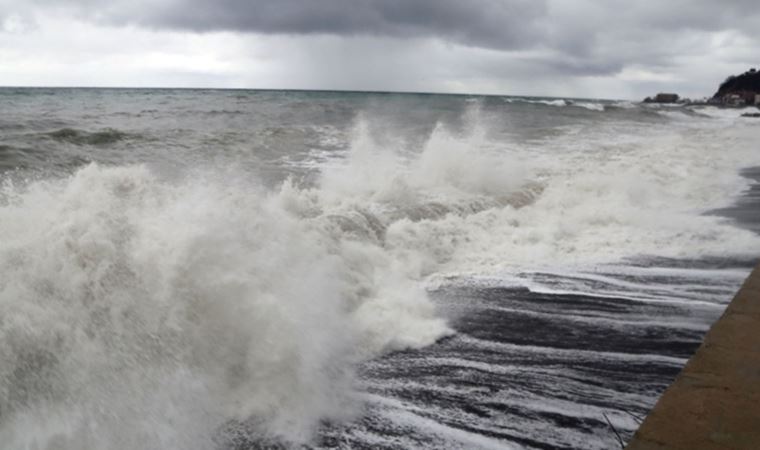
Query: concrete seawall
point(714, 403)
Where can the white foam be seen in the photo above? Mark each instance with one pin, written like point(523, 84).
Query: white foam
point(558, 102)
point(142, 312)
point(547, 101)
point(729, 114)
point(145, 313)
point(595, 206)
point(593, 106)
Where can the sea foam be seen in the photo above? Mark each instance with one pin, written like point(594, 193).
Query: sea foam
point(144, 311)
point(140, 312)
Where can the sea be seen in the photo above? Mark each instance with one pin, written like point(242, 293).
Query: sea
point(248, 269)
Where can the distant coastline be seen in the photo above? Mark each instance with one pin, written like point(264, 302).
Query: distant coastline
point(737, 91)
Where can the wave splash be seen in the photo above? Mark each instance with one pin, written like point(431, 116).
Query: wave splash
point(136, 312)
point(142, 312)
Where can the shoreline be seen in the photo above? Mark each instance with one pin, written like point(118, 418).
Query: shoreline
point(712, 403)
point(745, 211)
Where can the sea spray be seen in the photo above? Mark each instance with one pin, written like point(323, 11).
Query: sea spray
point(140, 310)
point(140, 313)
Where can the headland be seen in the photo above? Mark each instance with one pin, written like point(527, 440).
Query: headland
point(736, 91)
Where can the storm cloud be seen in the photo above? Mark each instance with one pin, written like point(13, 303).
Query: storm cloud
point(444, 44)
point(493, 24)
point(486, 23)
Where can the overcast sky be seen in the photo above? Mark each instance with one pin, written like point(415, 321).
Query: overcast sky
point(578, 48)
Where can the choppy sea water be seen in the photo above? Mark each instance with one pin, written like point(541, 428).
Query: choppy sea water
point(203, 269)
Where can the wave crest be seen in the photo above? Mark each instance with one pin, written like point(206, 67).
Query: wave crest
point(199, 302)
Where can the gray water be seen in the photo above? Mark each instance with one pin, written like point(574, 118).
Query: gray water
point(238, 269)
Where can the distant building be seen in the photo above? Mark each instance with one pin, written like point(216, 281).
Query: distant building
point(740, 98)
point(666, 98)
point(734, 100)
point(662, 98)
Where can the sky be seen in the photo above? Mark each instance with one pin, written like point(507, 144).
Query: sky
point(566, 48)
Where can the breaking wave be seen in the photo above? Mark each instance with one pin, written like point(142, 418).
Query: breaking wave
point(590, 105)
point(140, 311)
point(192, 303)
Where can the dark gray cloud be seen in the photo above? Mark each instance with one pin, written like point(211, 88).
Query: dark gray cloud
point(499, 24)
point(577, 28)
point(570, 41)
point(586, 37)
point(574, 27)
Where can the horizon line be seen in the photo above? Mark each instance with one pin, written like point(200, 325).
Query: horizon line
point(345, 91)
